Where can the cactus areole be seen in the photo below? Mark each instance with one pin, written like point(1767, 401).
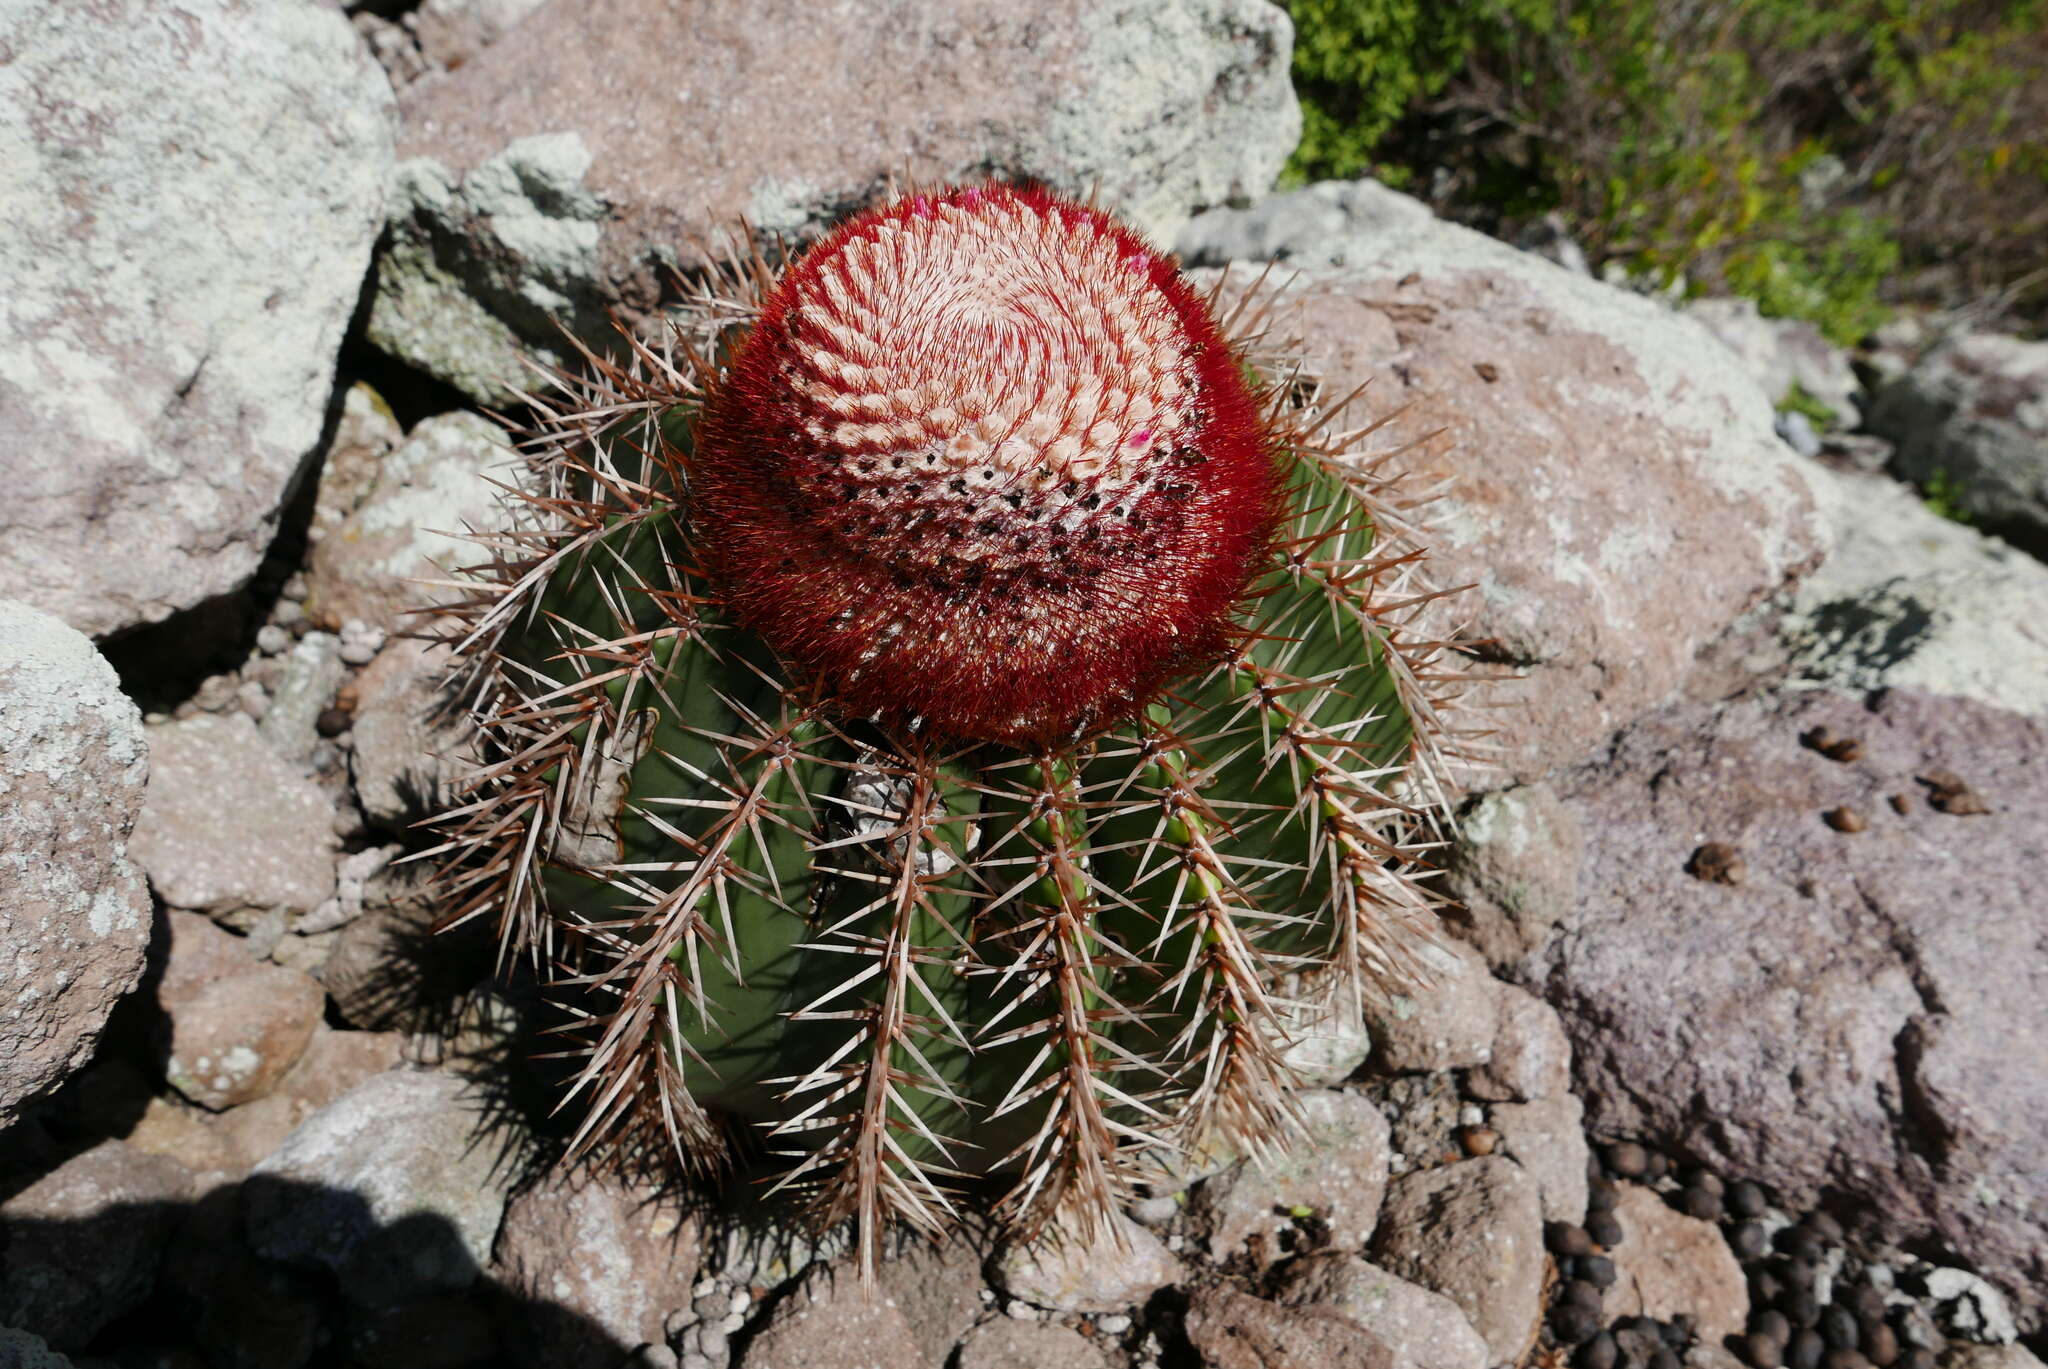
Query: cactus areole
point(985, 465)
point(952, 714)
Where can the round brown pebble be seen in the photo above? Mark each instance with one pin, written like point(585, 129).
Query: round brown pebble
point(1572, 1324)
point(1700, 1177)
point(1597, 1353)
point(1845, 819)
point(1601, 1196)
point(1771, 1322)
point(1597, 1270)
point(1666, 1358)
point(1802, 1243)
point(1697, 1202)
point(1716, 862)
point(1657, 1166)
point(332, 722)
point(1628, 1159)
point(1604, 1228)
point(1804, 1350)
point(1760, 1351)
point(1746, 1199)
point(1880, 1345)
point(1823, 1225)
point(1900, 804)
point(1565, 1239)
point(1801, 1306)
point(1582, 1293)
point(1748, 1240)
point(1843, 1359)
point(1479, 1140)
point(1919, 1357)
point(1838, 1328)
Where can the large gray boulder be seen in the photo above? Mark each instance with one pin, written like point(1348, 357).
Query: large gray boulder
point(188, 200)
point(594, 146)
point(74, 911)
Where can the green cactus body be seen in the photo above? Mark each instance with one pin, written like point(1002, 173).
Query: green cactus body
point(898, 957)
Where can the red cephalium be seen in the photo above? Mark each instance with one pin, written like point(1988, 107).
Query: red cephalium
point(985, 466)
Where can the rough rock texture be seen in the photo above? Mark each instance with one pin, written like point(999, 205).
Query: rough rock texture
point(829, 1321)
point(1909, 600)
point(1424, 1330)
point(938, 1289)
point(1448, 1025)
point(1669, 1263)
point(188, 199)
point(1779, 353)
point(1337, 1175)
point(229, 829)
point(1532, 1056)
point(408, 527)
point(1231, 1330)
point(1859, 1015)
point(390, 1186)
point(1513, 870)
point(233, 1040)
point(1472, 1231)
point(595, 142)
point(1007, 1344)
point(1616, 490)
point(1121, 1268)
point(597, 1264)
point(20, 1350)
point(74, 912)
point(1547, 1138)
point(84, 1241)
point(412, 742)
point(1974, 413)
point(311, 675)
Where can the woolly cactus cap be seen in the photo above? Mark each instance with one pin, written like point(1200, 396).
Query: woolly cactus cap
point(986, 467)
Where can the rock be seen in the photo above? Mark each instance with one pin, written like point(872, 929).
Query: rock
point(1532, 1057)
point(410, 526)
point(830, 1321)
point(20, 1350)
point(230, 829)
point(1969, 1307)
point(939, 1289)
point(1327, 1036)
point(1007, 1344)
point(1334, 1178)
point(1472, 1231)
point(1617, 503)
point(1909, 600)
point(595, 1266)
point(364, 435)
point(386, 1186)
point(333, 1063)
point(1962, 1355)
point(190, 199)
point(559, 168)
point(389, 969)
point(1231, 1330)
point(1779, 353)
point(1547, 1138)
point(1120, 1268)
point(74, 910)
point(1866, 1041)
point(312, 674)
point(84, 1241)
point(1449, 1024)
point(1670, 1263)
point(232, 1040)
point(438, 1331)
point(414, 743)
point(1973, 414)
point(1424, 1330)
point(238, 1309)
point(1513, 870)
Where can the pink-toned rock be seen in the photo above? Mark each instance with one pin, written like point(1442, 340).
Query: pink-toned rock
point(1119, 1269)
point(228, 828)
point(1513, 871)
point(74, 911)
point(1448, 1024)
point(197, 951)
point(1007, 1344)
point(413, 742)
point(1615, 489)
point(1532, 1056)
point(1472, 1231)
point(1334, 1177)
point(1548, 1139)
point(1668, 1263)
point(1232, 1330)
point(84, 1241)
point(596, 1265)
point(232, 1039)
point(333, 1063)
point(832, 1321)
point(939, 1289)
point(1424, 1330)
point(1860, 1016)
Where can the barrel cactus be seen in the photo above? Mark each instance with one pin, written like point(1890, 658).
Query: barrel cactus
point(953, 713)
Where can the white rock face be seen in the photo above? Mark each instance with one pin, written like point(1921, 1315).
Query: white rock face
point(74, 911)
point(188, 199)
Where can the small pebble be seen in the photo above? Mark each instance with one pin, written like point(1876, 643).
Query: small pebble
point(1801, 1306)
point(288, 613)
point(1582, 1293)
point(1823, 1225)
point(1678, 1331)
point(1597, 1270)
point(1771, 1322)
point(1845, 819)
point(1628, 1159)
point(1665, 1358)
point(1154, 1211)
point(1843, 749)
point(1657, 1165)
point(295, 588)
point(273, 640)
point(1880, 1345)
point(1900, 804)
point(1716, 862)
point(1746, 1199)
point(1700, 1177)
point(332, 722)
point(1572, 1324)
point(1947, 793)
point(1765, 1287)
point(1601, 1196)
point(1113, 1326)
point(1802, 1243)
point(1761, 1351)
point(1843, 1359)
point(1919, 1357)
point(1748, 1240)
point(1838, 1328)
point(1804, 1350)
point(1697, 1202)
point(1597, 1353)
point(1604, 1228)
point(1867, 1302)
point(1565, 1239)
point(1479, 1140)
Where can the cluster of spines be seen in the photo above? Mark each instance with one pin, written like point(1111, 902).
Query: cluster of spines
point(1041, 892)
